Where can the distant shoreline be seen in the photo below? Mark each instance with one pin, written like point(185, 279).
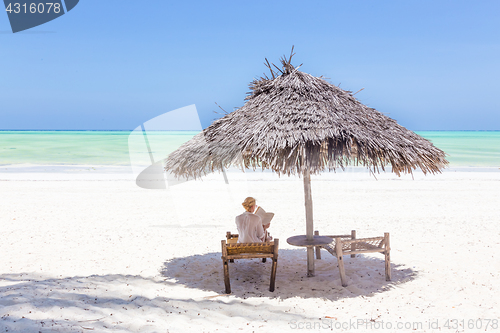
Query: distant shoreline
point(32, 172)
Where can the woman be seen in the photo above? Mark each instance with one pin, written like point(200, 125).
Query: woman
point(249, 225)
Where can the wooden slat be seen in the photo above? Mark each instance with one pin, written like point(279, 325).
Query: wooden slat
point(364, 251)
point(250, 256)
point(338, 236)
point(364, 246)
point(361, 240)
point(330, 249)
point(233, 249)
point(271, 244)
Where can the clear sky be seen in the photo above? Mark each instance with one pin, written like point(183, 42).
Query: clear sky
point(114, 64)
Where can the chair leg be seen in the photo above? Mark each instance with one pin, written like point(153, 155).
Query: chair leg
point(353, 246)
point(226, 277)
point(275, 263)
point(273, 275)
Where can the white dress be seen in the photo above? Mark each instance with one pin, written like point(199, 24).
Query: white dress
point(250, 228)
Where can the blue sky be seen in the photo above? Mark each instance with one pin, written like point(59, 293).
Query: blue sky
point(113, 64)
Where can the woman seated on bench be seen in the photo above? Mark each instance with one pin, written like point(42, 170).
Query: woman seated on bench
point(249, 225)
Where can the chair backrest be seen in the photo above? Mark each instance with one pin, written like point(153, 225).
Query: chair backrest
point(240, 248)
point(250, 250)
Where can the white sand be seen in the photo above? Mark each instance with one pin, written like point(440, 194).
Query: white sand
point(90, 251)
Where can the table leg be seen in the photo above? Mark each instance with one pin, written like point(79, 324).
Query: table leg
point(310, 261)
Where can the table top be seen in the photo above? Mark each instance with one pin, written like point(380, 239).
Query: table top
point(301, 240)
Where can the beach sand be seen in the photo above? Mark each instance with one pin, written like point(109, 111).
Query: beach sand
point(90, 251)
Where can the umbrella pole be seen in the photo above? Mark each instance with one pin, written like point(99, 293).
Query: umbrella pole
point(309, 222)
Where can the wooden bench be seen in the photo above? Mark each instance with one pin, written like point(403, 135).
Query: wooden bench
point(233, 250)
point(348, 244)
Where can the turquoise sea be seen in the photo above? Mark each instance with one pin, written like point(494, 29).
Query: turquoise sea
point(464, 148)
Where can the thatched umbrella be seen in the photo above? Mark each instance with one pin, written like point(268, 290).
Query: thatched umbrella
point(295, 123)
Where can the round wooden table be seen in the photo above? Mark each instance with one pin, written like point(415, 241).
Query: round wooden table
point(301, 240)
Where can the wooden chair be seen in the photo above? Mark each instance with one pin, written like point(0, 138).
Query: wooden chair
point(348, 244)
point(233, 250)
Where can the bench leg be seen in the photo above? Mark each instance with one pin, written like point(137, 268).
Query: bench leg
point(387, 266)
point(343, 279)
point(264, 259)
point(387, 257)
point(340, 261)
point(226, 277)
point(353, 247)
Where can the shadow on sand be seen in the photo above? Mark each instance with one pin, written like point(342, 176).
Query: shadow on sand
point(250, 277)
point(31, 302)
point(120, 303)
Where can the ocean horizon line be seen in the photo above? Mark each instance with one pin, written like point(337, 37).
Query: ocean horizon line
point(87, 130)
point(179, 130)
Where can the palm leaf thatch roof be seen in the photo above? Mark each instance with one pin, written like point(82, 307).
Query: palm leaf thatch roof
point(294, 121)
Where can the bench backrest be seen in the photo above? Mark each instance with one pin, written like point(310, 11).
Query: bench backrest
point(367, 243)
point(352, 245)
